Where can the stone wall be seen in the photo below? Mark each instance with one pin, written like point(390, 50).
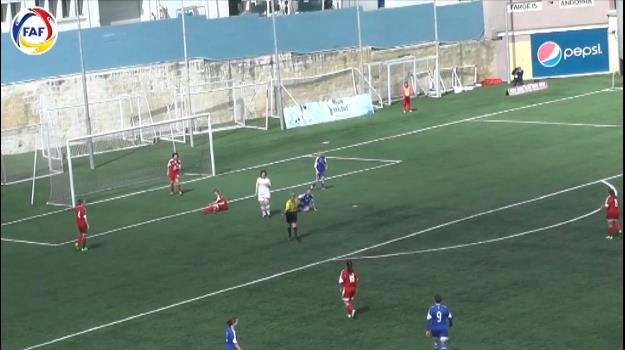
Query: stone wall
point(21, 102)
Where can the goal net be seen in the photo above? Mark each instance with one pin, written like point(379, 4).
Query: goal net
point(124, 162)
point(22, 159)
point(117, 113)
point(231, 104)
point(340, 84)
point(389, 76)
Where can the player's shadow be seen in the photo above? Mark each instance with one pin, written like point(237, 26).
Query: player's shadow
point(362, 310)
point(275, 212)
point(187, 190)
point(94, 245)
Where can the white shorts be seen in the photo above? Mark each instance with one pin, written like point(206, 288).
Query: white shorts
point(264, 197)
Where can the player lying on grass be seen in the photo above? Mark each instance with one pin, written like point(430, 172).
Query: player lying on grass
point(613, 213)
point(220, 204)
point(307, 201)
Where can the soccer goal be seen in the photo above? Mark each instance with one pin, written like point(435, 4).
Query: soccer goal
point(324, 87)
point(389, 76)
point(22, 159)
point(120, 167)
point(231, 104)
point(110, 114)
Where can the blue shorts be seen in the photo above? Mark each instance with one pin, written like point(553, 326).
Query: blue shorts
point(321, 173)
point(439, 332)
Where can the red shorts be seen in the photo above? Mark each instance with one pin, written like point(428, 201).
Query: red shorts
point(348, 293)
point(213, 208)
point(174, 176)
point(82, 228)
point(613, 214)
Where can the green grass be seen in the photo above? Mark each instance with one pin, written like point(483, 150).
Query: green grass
point(559, 289)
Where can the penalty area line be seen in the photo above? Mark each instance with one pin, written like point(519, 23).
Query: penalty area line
point(537, 122)
point(307, 266)
point(465, 245)
point(161, 218)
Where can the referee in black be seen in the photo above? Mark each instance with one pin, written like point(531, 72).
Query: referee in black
point(290, 211)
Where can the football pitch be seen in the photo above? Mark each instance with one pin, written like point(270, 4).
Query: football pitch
point(493, 202)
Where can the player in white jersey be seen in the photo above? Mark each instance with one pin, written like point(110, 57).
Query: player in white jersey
point(263, 191)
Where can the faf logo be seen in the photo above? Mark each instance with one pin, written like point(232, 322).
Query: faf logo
point(34, 31)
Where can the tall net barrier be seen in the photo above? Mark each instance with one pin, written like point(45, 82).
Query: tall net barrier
point(111, 114)
point(388, 77)
point(124, 162)
point(340, 84)
point(22, 158)
point(231, 104)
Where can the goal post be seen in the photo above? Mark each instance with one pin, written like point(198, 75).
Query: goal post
point(232, 104)
point(616, 81)
point(116, 113)
point(324, 87)
point(388, 76)
point(122, 167)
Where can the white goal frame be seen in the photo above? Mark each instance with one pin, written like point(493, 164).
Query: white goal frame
point(189, 126)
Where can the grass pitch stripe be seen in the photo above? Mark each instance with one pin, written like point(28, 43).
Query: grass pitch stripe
point(307, 266)
point(358, 144)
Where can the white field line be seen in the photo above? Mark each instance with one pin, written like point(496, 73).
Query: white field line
point(161, 218)
point(508, 121)
point(364, 159)
point(412, 132)
point(610, 186)
point(307, 266)
point(488, 241)
point(28, 242)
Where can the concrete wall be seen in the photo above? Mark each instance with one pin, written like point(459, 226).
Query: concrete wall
point(21, 103)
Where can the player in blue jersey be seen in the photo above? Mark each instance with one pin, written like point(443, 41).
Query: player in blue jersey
point(438, 323)
point(321, 166)
point(307, 201)
point(232, 343)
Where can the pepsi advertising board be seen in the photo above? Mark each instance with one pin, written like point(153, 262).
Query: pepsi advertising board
point(570, 53)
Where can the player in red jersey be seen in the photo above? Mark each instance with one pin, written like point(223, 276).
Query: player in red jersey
point(348, 280)
point(613, 213)
point(220, 204)
point(173, 172)
point(82, 224)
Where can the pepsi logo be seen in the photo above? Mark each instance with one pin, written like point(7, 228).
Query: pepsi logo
point(549, 54)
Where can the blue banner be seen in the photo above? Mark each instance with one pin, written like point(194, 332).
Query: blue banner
point(570, 53)
point(328, 111)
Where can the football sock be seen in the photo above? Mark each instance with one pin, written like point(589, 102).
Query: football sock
point(611, 231)
point(619, 228)
point(268, 209)
point(295, 231)
point(171, 187)
point(84, 241)
point(350, 307)
point(289, 229)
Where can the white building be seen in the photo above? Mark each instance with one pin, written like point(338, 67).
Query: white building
point(96, 13)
